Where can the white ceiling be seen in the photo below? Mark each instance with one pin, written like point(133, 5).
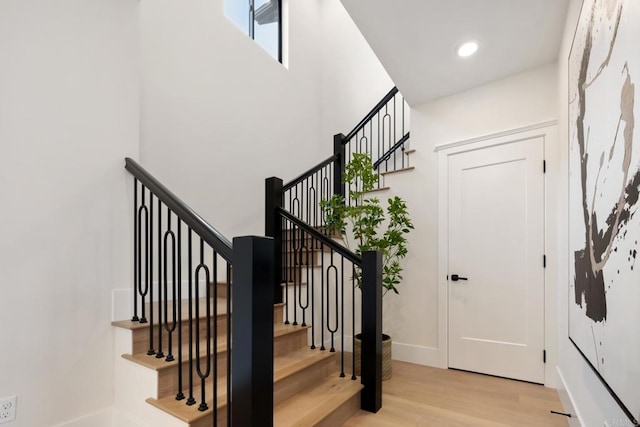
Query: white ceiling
point(416, 40)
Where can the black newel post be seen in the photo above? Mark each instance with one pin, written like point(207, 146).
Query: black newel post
point(252, 332)
point(273, 228)
point(371, 331)
point(338, 166)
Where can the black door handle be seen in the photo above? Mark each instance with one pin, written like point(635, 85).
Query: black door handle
point(455, 278)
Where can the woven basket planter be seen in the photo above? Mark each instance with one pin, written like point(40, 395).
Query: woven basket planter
point(386, 355)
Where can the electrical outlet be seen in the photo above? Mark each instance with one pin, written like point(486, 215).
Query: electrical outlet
point(8, 409)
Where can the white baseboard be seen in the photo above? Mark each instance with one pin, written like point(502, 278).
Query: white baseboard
point(427, 356)
point(120, 419)
point(103, 418)
point(567, 400)
point(420, 355)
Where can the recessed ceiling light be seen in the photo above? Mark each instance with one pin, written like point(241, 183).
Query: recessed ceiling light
point(467, 49)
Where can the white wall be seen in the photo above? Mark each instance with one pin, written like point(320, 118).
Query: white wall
point(524, 99)
point(353, 79)
point(68, 117)
point(219, 115)
point(590, 399)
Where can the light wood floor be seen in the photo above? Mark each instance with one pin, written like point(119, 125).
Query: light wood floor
point(422, 396)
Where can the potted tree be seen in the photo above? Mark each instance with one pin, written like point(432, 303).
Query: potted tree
point(365, 225)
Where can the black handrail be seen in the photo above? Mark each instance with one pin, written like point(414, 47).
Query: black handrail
point(310, 172)
point(371, 114)
point(391, 150)
point(209, 234)
point(338, 248)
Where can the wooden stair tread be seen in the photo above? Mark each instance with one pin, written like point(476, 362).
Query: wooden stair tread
point(281, 329)
point(315, 403)
point(410, 151)
point(296, 361)
point(202, 302)
point(159, 364)
point(407, 169)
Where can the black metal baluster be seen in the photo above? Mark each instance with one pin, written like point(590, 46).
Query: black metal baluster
point(229, 349)
point(403, 153)
point(303, 306)
point(284, 248)
point(333, 330)
point(343, 165)
point(136, 251)
point(180, 394)
point(311, 203)
point(371, 139)
point(380, 137)
point(297, 268)
point(203, 374)
point(291, 201)
point(295, 209)
point(160, 353)
point(322, 276)
point(170, 328)
point(326, 188)
point(395, 135)
point(353, 322)
point(386, 136)
point(214, 378)
point(142, 291)
point(149, 256)
point(342, 318)
point(306, 189)
point(191, 400)
point(321, 183)
point(288, 268)
point(313, 279)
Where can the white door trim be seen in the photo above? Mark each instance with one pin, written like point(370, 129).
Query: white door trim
point(548, 131)
point(523, 129)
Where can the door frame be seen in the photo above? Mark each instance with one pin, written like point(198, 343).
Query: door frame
point(549, 132)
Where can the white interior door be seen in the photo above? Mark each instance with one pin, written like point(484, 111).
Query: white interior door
point(496, 243)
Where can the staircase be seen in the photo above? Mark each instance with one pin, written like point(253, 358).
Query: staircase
point(278, 352)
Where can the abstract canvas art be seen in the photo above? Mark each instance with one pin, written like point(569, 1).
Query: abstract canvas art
point(604, 185)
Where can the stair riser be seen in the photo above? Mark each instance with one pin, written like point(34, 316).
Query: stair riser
point(221, 289)
point(290, 342)
point(303, 257)
point(141, 336)
point(341, 414)
point(168, 378)
point(297, 382)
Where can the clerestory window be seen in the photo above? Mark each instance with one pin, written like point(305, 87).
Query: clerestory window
point(259, 19)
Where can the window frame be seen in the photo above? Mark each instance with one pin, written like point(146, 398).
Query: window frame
point(252, 23)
